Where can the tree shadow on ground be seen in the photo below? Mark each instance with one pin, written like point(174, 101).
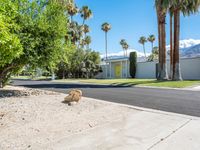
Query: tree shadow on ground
point(12, 93)
point(45, 84)
point(134, 83)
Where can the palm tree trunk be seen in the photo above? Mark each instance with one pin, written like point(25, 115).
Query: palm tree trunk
point(162, 68)
point(106, 45)
point(144, 51)
point(171, 46)
point(160, 47)
point(71, 18)
point(176, 64)
point(152, 45)
point(83, 21)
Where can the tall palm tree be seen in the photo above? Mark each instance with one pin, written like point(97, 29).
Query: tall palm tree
point(187, 7)
point(73, 31)
point(122, 43)
point(72, 10)
point(88, 41)
point(86, 13)
point(86, 29)
point(126, 46)
point(106, 27)
point(142, 41)
point(171, 41)
point(152, 39)
point(161, 10)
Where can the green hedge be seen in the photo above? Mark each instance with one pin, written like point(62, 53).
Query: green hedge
point(133, 64)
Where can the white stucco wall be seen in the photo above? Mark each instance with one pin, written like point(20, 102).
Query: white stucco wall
point(146, 70)
point(190, 69)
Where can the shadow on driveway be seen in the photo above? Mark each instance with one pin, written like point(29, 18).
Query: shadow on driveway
point(47, 84)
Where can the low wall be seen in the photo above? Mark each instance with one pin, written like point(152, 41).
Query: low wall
point(146, 70)
point(190, 69)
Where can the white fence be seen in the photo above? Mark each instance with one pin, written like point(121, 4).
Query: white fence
point(190, 68)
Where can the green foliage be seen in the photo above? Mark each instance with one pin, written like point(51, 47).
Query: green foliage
point(80, 64)
point(32, 32)
point(154, 54)
point(10, 47)
point(43, 34)
point(133, 64)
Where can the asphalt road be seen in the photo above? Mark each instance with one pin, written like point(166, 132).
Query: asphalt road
point(178, 101)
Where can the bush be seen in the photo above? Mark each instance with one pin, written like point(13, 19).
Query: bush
point(133, 64)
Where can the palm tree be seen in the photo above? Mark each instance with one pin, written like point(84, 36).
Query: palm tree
point(73, 32)
point(151, 39)
point(86, 13)
point(106, 27)
point(72, 10)
point(187, 7)
point(126, 46)
point(86, 29)
point(88, 41)
point(142, 41)
point(171, 41)
point(161, 10)
point(122, 43)
point(82, 43)
point(154, 54)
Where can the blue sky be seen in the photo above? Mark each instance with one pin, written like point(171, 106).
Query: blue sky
point(130, 19)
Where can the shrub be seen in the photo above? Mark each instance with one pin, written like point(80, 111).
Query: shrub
point(133, 64)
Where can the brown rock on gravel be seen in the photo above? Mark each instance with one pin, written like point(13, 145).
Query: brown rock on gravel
point(73, 96)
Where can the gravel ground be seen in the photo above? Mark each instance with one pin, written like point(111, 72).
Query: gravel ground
point(33, 119)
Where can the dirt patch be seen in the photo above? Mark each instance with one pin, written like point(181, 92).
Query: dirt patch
point(11, 91)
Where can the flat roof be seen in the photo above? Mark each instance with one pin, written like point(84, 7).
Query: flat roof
point(114, 59)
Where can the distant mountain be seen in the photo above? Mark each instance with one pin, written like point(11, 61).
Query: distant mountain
point(193, 51)
point(188, 48)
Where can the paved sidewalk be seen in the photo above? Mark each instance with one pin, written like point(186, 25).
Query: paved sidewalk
point(197, 88)
point(142, 129)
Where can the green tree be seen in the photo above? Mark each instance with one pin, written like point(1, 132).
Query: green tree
point(133, 64)
point(10, 46)
point(106, 27)
point(154, 54)
point(42, 31)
